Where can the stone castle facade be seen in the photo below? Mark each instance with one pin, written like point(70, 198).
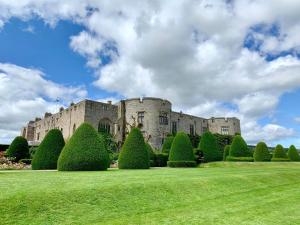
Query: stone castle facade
point(153, 115)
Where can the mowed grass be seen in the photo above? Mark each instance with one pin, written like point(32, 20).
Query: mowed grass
point(218, 193)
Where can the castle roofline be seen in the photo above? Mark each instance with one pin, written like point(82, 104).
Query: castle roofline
point(146, 98)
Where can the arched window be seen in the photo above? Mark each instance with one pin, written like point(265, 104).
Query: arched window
point(104, 126)
point(74, 128)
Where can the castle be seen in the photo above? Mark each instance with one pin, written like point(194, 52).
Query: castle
point(153, 115)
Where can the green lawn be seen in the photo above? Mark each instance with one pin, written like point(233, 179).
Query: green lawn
point(230, 193)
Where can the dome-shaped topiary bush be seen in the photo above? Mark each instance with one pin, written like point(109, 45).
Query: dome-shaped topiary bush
point(47, 154)
point(167, 144)
point(226, 152)
point(261, 152)
point(134, 154)
point(293, 154)
point(279, 153)
point(18, 149)
point(238, 147)
point(85, 150)
point(181, 153)
point(208, 145)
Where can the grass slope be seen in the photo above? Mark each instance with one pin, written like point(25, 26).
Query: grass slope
point(220, 193)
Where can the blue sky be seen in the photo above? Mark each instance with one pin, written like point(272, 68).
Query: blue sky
point(244, 62)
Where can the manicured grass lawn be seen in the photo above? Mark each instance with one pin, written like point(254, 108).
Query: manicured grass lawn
point(220, 193)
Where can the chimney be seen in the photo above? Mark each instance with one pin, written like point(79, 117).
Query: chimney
point(109, 102)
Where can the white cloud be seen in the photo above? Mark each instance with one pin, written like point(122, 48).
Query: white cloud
point(26, 94)
point(297, 119)
point(190, 52)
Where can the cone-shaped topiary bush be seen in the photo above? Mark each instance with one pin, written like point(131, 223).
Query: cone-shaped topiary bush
point(167, 144)
point(134, 154)
point(261, 152)
point(293, 154)
point(279, 153)
point(238, 147)
point(226, 152)
point(208, 145)
point(181, 153)
point(47, 154)
point(85, 150)
point(18, 149)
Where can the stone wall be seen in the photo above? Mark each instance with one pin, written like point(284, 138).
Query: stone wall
point(220, 125)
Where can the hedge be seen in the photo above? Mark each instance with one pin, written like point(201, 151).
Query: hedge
point(239, 159)
point(279, 152)
point(261, 153)
point(160, 159)
point(85, 151)
point(238, 147)
point(280, 159)
point(209, 147)
point(167, 144)
point(293, 154)
point(226, 152)
point(47, 154)
point(182, 164)
point(25, 161)
point(181, 150)
point(134, 154)
point(18, 149)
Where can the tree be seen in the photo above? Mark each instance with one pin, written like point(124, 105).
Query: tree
point(208, 146)
point(18, 149)
point(279, 152)
point(261, 152)
point(84, 151)
point(181, 153)
point(47, 153)
point(134, 154)
point(293, 154)
point(238, 147)
point(167, 144)
point(226, 152)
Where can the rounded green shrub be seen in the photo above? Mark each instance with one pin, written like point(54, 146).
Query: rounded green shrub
point(134, 154)
point(238, 147)
point(208, 145)
point(167, 144)
point(85, 151)
point(47, 153)
point(18, 149)
point(293, 154)
point(181, 151)
point(226, 152)
point(261, 152)
point(150, 153)
point(279, 152)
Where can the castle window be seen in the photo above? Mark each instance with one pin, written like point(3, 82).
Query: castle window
point(105, 107)
point(38, 136)
point(103, 127)
point(225, 130)
point(174, 127)
point(140, 117)
point(163, 119)
point(74, 128)
point(61, 129)
point(192, 129)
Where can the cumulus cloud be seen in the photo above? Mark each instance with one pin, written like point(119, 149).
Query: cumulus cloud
point(26, 94)
point(191, 52)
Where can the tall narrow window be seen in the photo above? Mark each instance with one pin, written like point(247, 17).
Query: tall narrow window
point(192, 129)
point(74, 128)
point(140, 117)
point(174, 127)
